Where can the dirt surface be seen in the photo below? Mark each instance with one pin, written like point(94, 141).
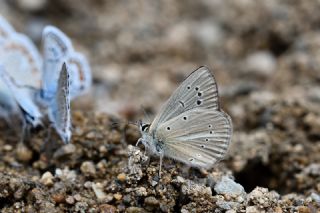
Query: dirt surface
point(265, 56)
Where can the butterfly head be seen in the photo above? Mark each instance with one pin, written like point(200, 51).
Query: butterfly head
point(144, 127)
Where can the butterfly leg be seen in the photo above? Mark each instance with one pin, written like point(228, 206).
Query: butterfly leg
point(25, 131)
point(139, 141)
point(160, 166)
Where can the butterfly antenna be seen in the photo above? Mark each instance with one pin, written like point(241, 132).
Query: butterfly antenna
point(147, 115)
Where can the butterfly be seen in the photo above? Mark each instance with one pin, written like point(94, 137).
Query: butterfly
point(190, 127)
point(59, 88)
point(20, 76)
point(59, 111)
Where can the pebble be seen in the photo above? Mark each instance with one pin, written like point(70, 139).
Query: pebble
point(70, 200)
point(121, 177)
point(227, 186)
point(251, 209)
point(117, 196)
point(134, 209)
point(64, 151)
point(77, 197)
point(141, 191)
point(303, 209)
point(261, 62)
point(47, 179)
point(106, 208)
point(7, 148)
point(98, 190)
point(151, 201)
point(58, 198)
point(88, 168)
point(23, 153)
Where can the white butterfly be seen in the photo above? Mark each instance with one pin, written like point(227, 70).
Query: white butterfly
point(190, 127)
point(21, 75)
point(56, 91)
point(59, 111)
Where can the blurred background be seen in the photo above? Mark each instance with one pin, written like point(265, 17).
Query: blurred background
point(265, 56)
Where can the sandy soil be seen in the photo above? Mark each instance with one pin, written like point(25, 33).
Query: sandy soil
point(266, 58)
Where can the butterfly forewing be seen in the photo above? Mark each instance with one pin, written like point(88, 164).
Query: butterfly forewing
point(56, 49)
point(199, 90)
point(21, 60)
point(60, 114)
point(198, 137)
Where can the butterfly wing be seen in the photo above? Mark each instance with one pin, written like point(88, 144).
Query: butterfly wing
point(56, 49)
point(198, 90)
point(21, 60)
point(59, 111)
point(80, 74)
point(24, 97)
point(198, 137)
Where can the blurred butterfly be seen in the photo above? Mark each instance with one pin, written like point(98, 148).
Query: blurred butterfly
point(59, 110)
point(190, 127)
point(57, 49)
point(21, 75)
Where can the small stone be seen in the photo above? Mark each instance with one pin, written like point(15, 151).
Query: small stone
point(88, 184)
point(70, 200)
point(278, 210)
point(88, 168)
point(47, 179)
point(98, 190)
point(141, 191)
point(7, 148)
point(151, 201)
point(106, 208)
point(251, 209)
point(58, 198)
point(77, 197)
point(23, 153)
point(227, 186)
point(117, 196)
point(121, 177)
point(303, 209)
point(134, 209)
point(64, 151)
point(263, 63)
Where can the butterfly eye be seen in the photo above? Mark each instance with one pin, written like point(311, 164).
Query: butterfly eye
point(145, 127)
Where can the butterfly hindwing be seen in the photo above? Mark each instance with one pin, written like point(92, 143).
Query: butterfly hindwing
point(80, 74)
point(24, 97)
point(198, 137)
point(199, 90)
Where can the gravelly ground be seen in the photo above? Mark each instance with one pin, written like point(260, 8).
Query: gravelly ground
point(266, 58)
